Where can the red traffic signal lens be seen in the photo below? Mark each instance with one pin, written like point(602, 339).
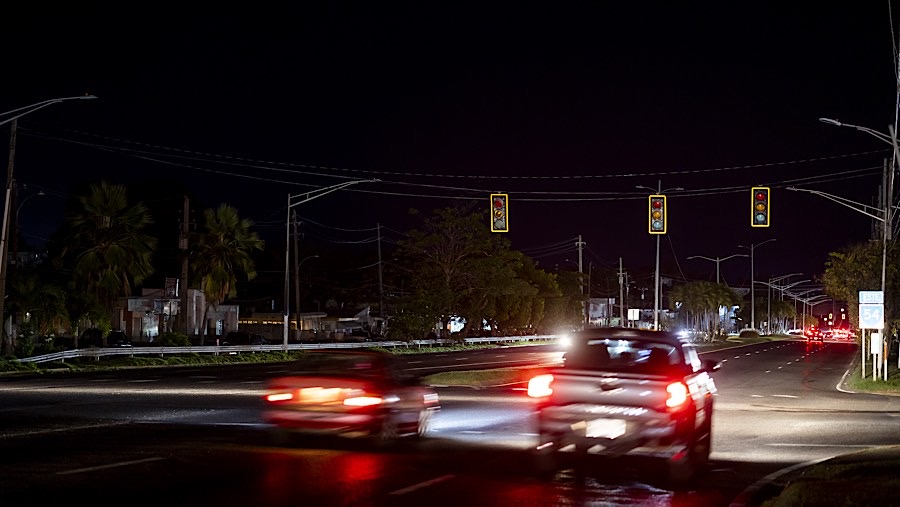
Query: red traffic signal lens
point(760, 196)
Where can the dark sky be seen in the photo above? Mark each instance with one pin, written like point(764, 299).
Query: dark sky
point(565, 106)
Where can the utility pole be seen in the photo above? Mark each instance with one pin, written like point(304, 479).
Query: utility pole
point(380, 277)
point(584, 309)
point(183, 292)
point(296, 271)
point(622, 295)
point(4, 267)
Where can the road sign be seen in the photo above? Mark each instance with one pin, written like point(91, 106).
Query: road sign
point(871, 296)
point(871, 316)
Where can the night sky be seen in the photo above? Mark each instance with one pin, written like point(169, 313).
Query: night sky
point(566, 106)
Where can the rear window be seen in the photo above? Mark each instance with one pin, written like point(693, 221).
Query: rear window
point(640, 356)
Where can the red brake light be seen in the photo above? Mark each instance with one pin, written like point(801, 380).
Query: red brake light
point(678, 394)
point(539, 387)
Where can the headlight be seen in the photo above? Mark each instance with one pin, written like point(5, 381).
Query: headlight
point(565, 341)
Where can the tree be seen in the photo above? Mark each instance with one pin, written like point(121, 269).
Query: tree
point(222, 251)
point(41, 306)
point(699, 302)
point(858, 267)
point(106, 245)
point(456, 267)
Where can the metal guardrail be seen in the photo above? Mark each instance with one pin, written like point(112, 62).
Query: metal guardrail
point(97, 353)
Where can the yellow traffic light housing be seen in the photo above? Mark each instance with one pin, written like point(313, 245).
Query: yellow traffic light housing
point(657, 214)
point(760, 207)
point(499, 213)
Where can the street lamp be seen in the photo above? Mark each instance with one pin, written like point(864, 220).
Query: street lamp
point(656, 297)
point(38, 105)
point(752, 247)
point(303, 198)
point(717, 260)
point(13, 115)
point(888, 197)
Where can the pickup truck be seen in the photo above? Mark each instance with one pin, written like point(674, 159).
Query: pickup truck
point(627, 391)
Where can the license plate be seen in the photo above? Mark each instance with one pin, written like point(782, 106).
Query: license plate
point(605, 428)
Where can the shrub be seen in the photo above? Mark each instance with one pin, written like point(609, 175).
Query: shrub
point(174, 340)
point(749, 333)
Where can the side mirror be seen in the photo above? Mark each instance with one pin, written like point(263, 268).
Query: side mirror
point(711, 365)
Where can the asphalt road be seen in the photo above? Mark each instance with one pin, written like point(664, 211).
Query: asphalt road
point(192, 436)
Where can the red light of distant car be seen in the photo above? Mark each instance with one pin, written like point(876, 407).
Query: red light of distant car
point(539, 387)
point(678, 394)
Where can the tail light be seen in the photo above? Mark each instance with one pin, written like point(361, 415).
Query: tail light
point(276, 397)
point(678, 395)
point(539, 387)
point(363, 401)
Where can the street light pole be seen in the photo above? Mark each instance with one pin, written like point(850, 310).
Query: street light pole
point(887, 198)
point(717, 260)
point(13, 116)
point(752, 247)
point(305, 197)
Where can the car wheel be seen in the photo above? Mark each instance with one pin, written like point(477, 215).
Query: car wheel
point(387, 434)
point(545, 462)
point(682, 469)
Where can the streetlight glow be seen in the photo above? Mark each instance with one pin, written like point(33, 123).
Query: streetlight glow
point(752, 247)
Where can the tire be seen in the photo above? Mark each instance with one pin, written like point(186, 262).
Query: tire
point(682, 472)
point(387, 433)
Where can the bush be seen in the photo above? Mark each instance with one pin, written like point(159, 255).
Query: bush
point(174, 340)
point(749, 333)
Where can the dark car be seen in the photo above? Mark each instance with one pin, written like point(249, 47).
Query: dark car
point(627, 392)
point(357, 393)
point(244, 338)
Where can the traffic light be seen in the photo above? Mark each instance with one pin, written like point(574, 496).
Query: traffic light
point(657, 214)
point(760, 207)
point(499, 213)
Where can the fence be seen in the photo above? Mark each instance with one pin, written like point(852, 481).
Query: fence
point(97, 353)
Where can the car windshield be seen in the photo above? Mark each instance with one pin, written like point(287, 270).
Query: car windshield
point(355, 365)
point(640, 356)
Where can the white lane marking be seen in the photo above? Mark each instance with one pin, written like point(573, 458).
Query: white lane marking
point(413, 362)
point(784, 396)
point(111, 465)
point(848, 446)
point(421, 485)
point(757, 396)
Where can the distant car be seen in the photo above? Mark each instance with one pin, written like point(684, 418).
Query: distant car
point(627, 391)
point(117, 339)
point(359, 393)
point(244, 338)
point(813, 333)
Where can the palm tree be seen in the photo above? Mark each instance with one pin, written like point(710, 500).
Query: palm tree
point(41, 305)
point(222, 251)
point(107, 245)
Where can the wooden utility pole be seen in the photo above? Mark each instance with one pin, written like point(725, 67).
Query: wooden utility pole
point(296, 272)
point(7, 340)
point(183, 290)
